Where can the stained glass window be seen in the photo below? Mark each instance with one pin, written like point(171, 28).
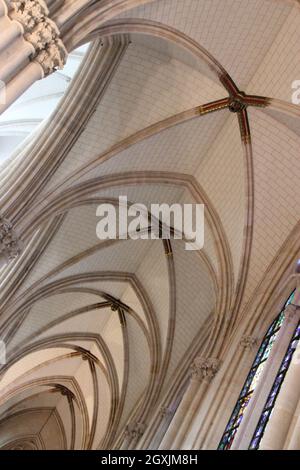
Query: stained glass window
point(270, 403)
point(252, 379)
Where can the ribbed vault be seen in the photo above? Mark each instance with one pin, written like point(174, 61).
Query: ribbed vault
point(175, 102)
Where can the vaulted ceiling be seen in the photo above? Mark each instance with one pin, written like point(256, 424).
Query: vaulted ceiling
point(175, 101)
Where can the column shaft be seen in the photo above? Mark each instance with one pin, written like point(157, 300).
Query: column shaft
point(16, 87)
point(190, 414)
point(16, 61)
point(293, 439)
point(180, 414)
point(9, 32)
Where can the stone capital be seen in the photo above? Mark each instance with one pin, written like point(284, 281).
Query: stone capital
point(205, 368)
point(53, 57)
point(29, 13)
point(64, 391)
point(248, 342)
point(10, 246)
point(87, 356)
point(134, 430)
point(165, 411)
point(41, 32)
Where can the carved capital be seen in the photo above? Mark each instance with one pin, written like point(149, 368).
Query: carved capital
point(41, 32)
point(134, 430)
point(29, 12)
point(10, 246)
point(64, 391)
point(88, 356)
point(205, 368)
point(53, 57)
point(248, 342)
point(165, 412)
point(24, 445)
point(44, 34)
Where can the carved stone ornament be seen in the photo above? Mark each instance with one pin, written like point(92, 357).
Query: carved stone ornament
point(10, 246)
point(29, 12)
point(114, 307)
point(53, 57)
point(236, 105)
point(205, 368)
point(134, 430)
point(248, 342)
point(65, 392)
point(41, 32)
point(24, 445)
point(165, 412)
point(88, 356)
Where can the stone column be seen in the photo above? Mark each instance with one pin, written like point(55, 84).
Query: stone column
point(285, 407)
point(213, 415)
point(9, 31)
point(207, 369)
point(293, 439)
point(202, 372)
point(132, 434)
point(16, 87)
point(180, 413)
point(3, 8)
point(164, 419)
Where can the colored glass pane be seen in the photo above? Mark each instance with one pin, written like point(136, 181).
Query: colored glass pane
point(271, 400)
point(251, 382)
